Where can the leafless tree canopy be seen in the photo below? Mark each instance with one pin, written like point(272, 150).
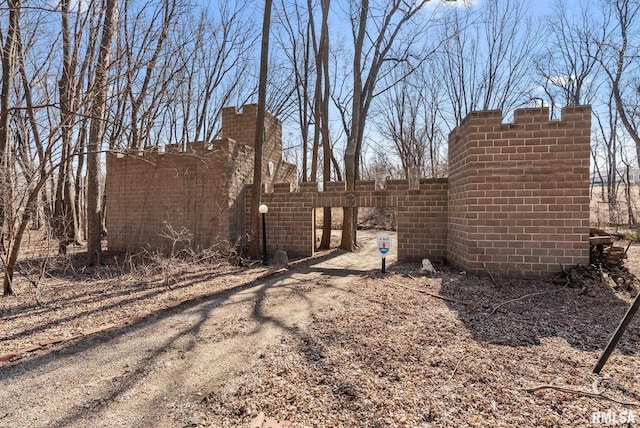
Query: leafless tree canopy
point(358, 84)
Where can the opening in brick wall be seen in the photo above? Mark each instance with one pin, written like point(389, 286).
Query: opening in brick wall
point(371, 222)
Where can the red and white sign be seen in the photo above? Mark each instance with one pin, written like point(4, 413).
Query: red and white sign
point(384, 244)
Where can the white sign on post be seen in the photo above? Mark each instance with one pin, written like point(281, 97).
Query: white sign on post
point(384, 244)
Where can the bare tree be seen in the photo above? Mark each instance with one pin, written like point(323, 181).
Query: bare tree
point(262, 98)
point(307, 54)
point(221, 54)
point(568, 63)
point(621, 63)
point(379, 39)
point(487, 56)
point(149, 61)
point(410, 117)
point(8, 70)
point(204, 54)
point(317, 95)
point(322, 63)
point(94, 144)
point(90, 31)
point(294, 40)
point(608, 135)
point(29, 164)
point(65, 219)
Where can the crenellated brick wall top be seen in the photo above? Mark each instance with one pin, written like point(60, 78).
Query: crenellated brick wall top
point(220, 147)
point(569, 117)
point(421, 213)
point(240, 125)
point(518, 198)
point(516, 201)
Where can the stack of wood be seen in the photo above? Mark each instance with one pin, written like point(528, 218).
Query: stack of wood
point(607, 259)
point(603, 250)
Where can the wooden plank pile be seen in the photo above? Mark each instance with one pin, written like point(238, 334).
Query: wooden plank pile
point(603, 250)
point(607, 260)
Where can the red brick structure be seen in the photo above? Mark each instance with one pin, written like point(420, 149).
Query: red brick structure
point(515, 203)
point(519, 192)
point(199, 189)
point(421, 214)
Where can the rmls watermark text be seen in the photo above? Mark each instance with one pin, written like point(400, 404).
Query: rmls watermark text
point(613, 418)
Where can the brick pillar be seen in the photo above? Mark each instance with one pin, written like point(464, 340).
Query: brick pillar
point(519, 193)
point(241, 127)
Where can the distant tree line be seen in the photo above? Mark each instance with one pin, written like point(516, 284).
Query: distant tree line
point(365, 88)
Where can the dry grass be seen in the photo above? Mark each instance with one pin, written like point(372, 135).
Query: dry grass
point(67, 299)
point(379, 352)
point(615, 217)
point(386, 354)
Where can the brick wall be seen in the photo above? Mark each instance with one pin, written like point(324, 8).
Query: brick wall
point(240, 160)
point(518, 192)
point(421, 214)
point(516, 201)
point(240, 125)
point(422, 220)
point(151, 192)
point(199, 189)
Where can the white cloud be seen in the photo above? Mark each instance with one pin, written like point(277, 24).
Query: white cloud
point(453, 3)
point(74, 5)
point(438, 6)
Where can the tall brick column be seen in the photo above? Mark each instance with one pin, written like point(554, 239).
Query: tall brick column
point(519, 193)
point(241, 127)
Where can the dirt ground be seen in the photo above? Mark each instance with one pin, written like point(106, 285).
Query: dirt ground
point(329, 342)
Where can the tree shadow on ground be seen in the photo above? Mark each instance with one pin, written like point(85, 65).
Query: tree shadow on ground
point(103, 288)
point(584, 319)
point(258, 293)
point(584, 314)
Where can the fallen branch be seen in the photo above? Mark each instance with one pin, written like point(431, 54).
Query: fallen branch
point(437, 296)
point(495, 308)
point(484, 265)
point(486, 269)
point(580, 392)
point(624, 256)
point(455, 370)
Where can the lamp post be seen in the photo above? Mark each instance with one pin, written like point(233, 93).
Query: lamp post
point(263, 210)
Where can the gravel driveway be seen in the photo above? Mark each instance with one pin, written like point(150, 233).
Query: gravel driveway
point(331, 343)
point(143, 373)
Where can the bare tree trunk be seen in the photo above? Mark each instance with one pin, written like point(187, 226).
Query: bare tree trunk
point(388, 24)
point(94, 213)
point(36, 221)
point(79, 182)
point(624, 12)
point(8, 66)
point(336, 166)
point(317, 97)
point(627, 191)
point(139, 136)
point(257, 166)
point(350, 158)
point(313, 176)
point(65, 220)
point(325, 243)
point(16, 244)
point(321, 114)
